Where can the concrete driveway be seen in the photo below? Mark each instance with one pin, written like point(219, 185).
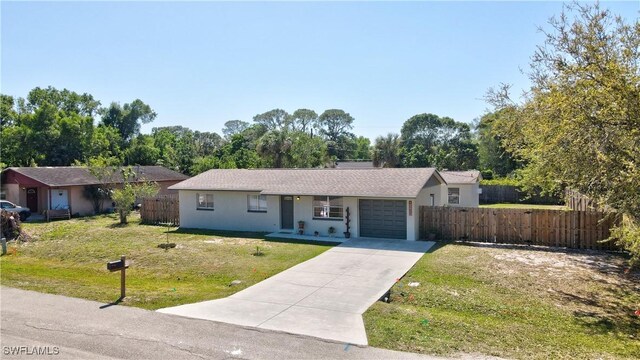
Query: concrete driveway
point(323, 297)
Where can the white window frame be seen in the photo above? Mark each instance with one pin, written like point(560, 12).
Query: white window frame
point(453, 197)
point(208, 203)
point(260, 200)
point(325, 208)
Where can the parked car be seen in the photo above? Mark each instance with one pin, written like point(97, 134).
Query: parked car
point(22, 211)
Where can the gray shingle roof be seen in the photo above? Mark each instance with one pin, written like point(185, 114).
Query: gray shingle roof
point(461, 177)
point(77, 175)
point(394, 183)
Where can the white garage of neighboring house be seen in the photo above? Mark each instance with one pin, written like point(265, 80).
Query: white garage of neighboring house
point(463, 188)
point(381, 203)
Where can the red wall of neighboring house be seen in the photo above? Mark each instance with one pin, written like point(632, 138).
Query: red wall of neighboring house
point(164, 185)
point(12, 177)
point(15, 187)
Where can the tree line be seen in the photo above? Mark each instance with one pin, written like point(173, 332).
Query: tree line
point(578, 126)
point(52, 127)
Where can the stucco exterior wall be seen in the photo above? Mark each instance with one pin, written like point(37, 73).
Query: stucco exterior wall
point(469, 196)
point(303, 211)
point(18, 195)
point(78, 203)
point(230, 212)
point(163, 188)
point(12, 193)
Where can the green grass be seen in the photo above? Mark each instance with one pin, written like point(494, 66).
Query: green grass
point(524, 206)
point(69, 258)
point(512, 303)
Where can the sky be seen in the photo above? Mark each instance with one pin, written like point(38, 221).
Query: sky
point(200, 64)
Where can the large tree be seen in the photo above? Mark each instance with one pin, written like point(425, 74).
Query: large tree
point(128, 118)
point(206, 143)
point(275, 146)
point(306, 151)
point(165, 140)
point(363, 148)
point(335, 123)
point(64, 100)
point(579, 123)
point(430, 140)
point(233, 127)
point(276, 119)
point(142, 151)
point(304, 120)
point(105, 142)
point(8, 113)
point(51, 127)
point(492, 156)
point(386, 151)
point(179, 146)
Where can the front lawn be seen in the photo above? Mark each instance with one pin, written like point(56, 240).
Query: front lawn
point(513, 303)
point(524, 206)
point(69, 258)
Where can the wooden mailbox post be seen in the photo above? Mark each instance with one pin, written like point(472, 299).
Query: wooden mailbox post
point(119, 265)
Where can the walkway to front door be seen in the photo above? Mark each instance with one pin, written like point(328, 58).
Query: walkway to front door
point(323, 297)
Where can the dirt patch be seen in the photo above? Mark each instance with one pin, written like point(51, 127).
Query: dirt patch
point(598, 288)
point(568, 264)
point(214, 241)
point(236, 241)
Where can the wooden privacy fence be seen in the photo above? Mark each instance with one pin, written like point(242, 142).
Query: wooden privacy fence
point(571, 229)
point(577, 201)
point(160, 209)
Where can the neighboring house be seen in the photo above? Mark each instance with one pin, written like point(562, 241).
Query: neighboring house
point(354, 165)
point(463, 188)
point(43, 188)
point(382, 203)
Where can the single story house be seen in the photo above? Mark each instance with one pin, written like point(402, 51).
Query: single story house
point(463, 188)
point(62, 187)
point(378, 202)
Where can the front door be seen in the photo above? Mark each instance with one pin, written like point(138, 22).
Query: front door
point(32, 199)
point(286, 212)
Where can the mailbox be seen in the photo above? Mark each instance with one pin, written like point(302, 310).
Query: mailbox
point(116, 265)
point(119, 265)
